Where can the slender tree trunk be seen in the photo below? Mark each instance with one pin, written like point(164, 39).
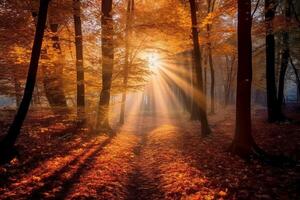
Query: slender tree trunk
point(17, 86)
point(194, 105)
point(123, 103)
point(212, 78)
point(7, 144)
point(243, 141)
point(297, 76)
point(231, 74)
point(285, 56)
point(227, 83)
point(130, 8)
point(229, 80)
point(107, 64)
point(201, 100)
point(274, 113)
point(210, 5)
point(205, 82)
point(79, 61)
point(189, 73)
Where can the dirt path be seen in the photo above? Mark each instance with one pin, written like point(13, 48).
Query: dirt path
point(161, 170)
point(140, 186)
point(137, 182)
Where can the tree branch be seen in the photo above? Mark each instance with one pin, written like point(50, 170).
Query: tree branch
point(296, 73)
point(255, 9)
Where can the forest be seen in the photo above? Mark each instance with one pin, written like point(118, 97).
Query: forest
point(150, 99)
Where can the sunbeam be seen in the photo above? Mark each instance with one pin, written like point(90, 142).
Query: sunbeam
point(143, 99)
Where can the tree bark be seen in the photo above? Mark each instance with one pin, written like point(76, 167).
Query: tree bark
point(210, 8)
point(107, 64)
point(228, 81)
point(297, 76)
point(285, 55)
point(130, 8)
point(194, 106)
point(201, 100)
point(274, 112)
point(205, 82)
point(243, 141)
point(7, 144)
point(17, 86)
point(79, 61)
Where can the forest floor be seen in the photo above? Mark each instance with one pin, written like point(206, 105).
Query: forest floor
point(148, 158)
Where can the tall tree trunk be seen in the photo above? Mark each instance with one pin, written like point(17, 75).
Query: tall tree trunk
point(79, 61)
point(194, 105)
point(212, 78)
point(210, 8)
point(130, 8)
point(297, 76)
point(285, 55)
point(189, 74)
point(274, 112)
point(17, 86)
point(230, 76)
point(205, 82)
point(227, 85)
point(7, 144)
point(201, 100)
point(107, 64)
point(243, 141)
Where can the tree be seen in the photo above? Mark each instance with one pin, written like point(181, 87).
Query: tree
point(51, 60)
point(210, 8)
point(230, 74)
point(129, 15)
point(243, 141)
point(79, 60)
point(274, 111)
point(7, 144)
point(107, 64)
point(285, 54)
point(200, 99)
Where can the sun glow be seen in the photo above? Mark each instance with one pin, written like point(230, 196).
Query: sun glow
point(154, 61)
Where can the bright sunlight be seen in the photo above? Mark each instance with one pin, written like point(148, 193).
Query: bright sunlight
point(154, 61)
point(137, 99)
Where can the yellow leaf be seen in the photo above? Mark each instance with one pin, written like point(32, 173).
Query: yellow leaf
point(222, 194)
